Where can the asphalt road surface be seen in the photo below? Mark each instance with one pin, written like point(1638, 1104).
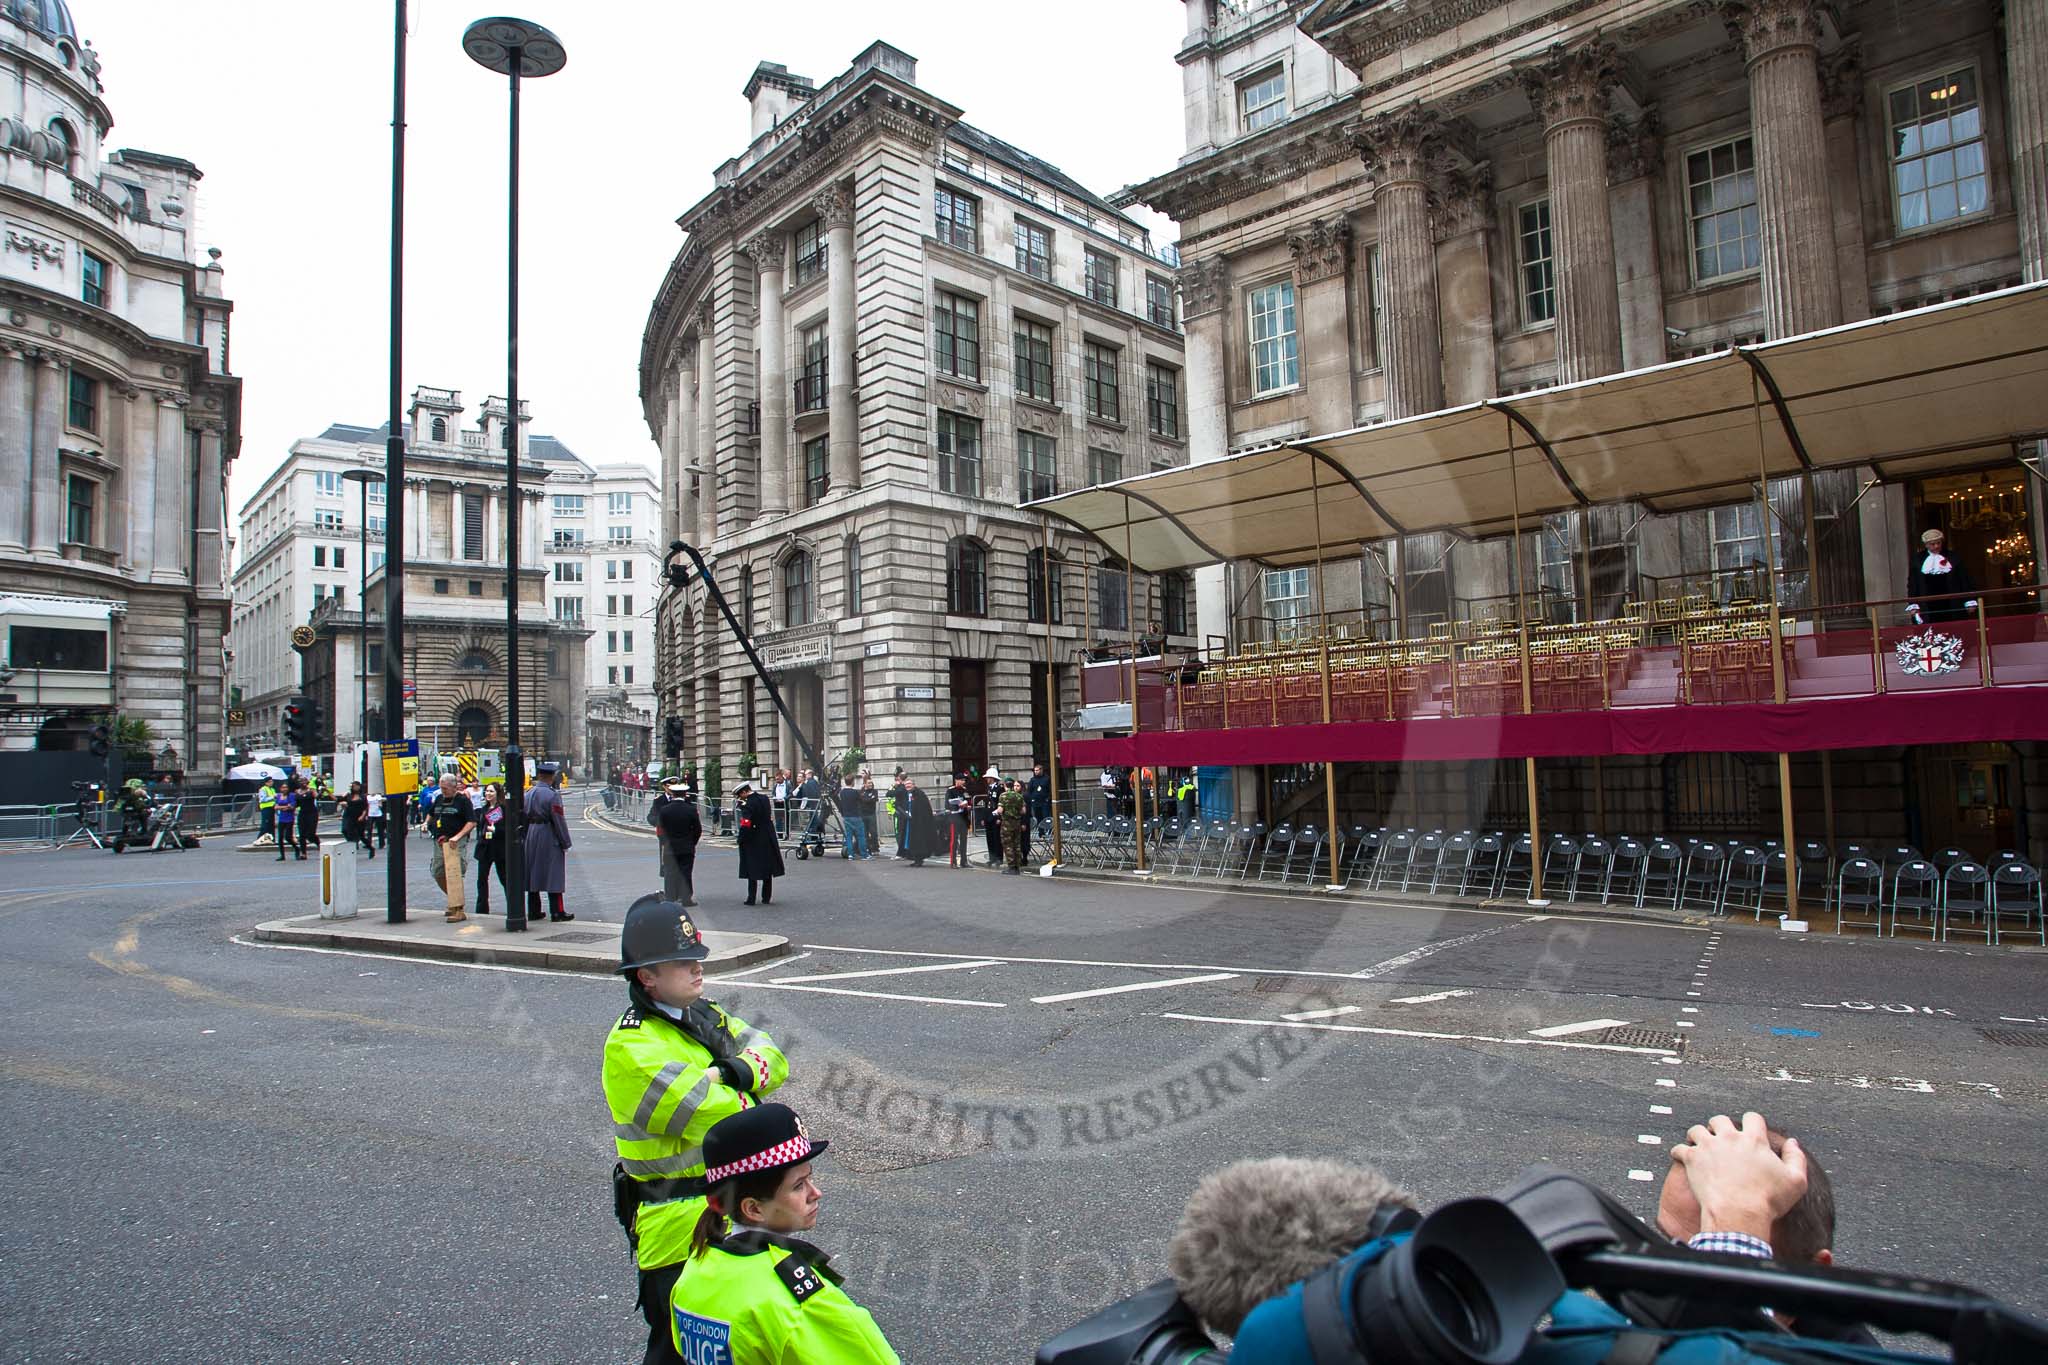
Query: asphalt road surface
point(222, 1152)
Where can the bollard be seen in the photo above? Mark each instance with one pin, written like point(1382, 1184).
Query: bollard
point(338, 881)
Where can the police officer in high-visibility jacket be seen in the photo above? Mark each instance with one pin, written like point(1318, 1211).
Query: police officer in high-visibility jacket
point(674, 1065)
point(752, 1293)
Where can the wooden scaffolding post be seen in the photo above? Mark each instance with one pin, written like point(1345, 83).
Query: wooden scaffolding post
point(1770, 538)
point(1323, 632)
point(1528, 696)
point(1052, 690)
point(1131, 628)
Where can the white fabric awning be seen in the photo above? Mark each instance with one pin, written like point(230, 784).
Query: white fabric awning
point(1954, 386)
point(82, 609)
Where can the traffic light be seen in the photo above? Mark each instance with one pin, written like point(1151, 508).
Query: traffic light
point(673, 735)
point(298, 723)
point(102, 741)
point(316, 725)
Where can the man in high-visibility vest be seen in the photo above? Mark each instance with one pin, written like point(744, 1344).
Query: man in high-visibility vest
point(674, 1065)
point(266, 811)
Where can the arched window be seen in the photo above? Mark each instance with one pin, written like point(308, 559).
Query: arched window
point(1173, 603)
point(62, 131)
point(853, 583)
point(1036, 586)
point(796, 590)
point(439, 429)
point(1112, 604)
point(966, 577)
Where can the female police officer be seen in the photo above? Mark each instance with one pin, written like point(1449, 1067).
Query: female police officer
point(674, 1065)
point(751, 1293)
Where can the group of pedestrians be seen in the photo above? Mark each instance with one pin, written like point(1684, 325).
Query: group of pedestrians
point(454, 815)
point(294, 817)
point(1003, 809)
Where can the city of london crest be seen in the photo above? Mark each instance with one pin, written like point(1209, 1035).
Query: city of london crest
point(1930, 653)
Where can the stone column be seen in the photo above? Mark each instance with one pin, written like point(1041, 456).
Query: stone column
point(1464, 273)
point(17, 429)
point(45, 488)
point(139, 467)
point(1633, 150)
point(1204, 300)
point(1399, 149)
point(2026, 84)
point(209, 516)
point(1841, 100)
point(172, 480)
point(1322, 263)
point(671, 454)
point(707, 438)
point(835, 206)
point(1801, 287)
point(766, 251)
point(1569, 90)
point(684, 404)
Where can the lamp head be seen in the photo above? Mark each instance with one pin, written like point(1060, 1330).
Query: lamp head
point(490, 43)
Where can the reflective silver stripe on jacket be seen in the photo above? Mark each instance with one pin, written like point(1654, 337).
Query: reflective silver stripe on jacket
point(685, 1110)
point(682, 1163)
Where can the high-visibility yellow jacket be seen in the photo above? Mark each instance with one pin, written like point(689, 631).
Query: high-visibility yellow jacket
point(664, 1091)
point(758, 1299)
point(266, 797)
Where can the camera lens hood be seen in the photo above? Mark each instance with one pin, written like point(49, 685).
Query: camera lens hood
point(1468, 1288)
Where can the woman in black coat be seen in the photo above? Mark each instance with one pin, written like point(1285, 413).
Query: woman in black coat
point(922, 840)
point(760, 849)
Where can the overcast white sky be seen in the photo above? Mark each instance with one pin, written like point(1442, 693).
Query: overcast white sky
point(286, 106)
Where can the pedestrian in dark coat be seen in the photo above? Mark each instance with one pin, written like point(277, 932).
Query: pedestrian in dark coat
point(760, 850)
point(547, 844)
point(681, 826)
point(493, 833)
point(1038, 794)
point(986, 811)
point(921, 838)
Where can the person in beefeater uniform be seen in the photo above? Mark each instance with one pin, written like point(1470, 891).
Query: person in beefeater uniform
point(1937, 574)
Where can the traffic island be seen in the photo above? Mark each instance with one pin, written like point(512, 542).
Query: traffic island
point(576, 946)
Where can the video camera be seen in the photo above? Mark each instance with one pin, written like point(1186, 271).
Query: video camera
point(1487, 1281)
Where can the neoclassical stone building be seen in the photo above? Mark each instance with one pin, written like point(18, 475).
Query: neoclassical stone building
point(884, 330)
point(1390, 209)
point(118, 416)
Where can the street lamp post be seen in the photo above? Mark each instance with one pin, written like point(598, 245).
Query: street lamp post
point(363, 478)
point(394, 480)
point(514, 48)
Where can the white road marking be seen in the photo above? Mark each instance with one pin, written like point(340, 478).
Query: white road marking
point(1686, 1023)
point(1641, 1175)
point(1649, 1140)
point(605, 979)
point(1093, 962)
point(870, 995)
point(1321, 1014)
point(1670, 1061)
point(893, 971)
point(1666, 1081)
point(1692, 993)
point(1417, 1033)
point(1414, 955)
point(1584, 1026)
point(1429, 999)
point(1133, 986)
point(1690, 1009)
point(773, 965)
point(1660, 1108)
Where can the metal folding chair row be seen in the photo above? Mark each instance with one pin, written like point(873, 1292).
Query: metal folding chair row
point(1934, 897)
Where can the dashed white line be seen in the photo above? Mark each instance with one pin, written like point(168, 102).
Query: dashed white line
point(1583, 1026)
point(1641, 1175)
point(1429, 999)
point(1666, 1081)
point(1132, 986)
point(1660, 1108)
point(892, 971)
point(1649, 1140)
point(1321, 1014)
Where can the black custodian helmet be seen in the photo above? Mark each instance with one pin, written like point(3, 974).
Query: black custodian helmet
point(657, 931)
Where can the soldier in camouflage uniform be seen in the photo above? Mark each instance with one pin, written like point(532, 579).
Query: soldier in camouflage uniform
point(1016, 827)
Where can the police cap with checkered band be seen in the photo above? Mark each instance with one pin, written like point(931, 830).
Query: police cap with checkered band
point(766, 1137)
point(657, 931)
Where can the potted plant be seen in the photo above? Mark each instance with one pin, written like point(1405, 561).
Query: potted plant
point(850, 761)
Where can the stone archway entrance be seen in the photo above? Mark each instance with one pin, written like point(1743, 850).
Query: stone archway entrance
point(474, 724)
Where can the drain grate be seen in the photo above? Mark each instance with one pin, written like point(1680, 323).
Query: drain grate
point(1645, 1037)
point(1274, 985)
point(2014, 1037)
point(576, 936)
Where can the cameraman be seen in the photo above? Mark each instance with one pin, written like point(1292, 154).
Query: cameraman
point(1803, 1235)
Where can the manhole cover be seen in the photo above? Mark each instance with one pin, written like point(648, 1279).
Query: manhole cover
point(2014, 1037)
point(576, 936)
point(1645, 1037)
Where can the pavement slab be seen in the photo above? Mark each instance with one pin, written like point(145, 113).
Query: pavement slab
point(576, 946)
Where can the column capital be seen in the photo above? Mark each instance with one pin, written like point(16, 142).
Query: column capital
point(1767, 26)
point(1401, 145)
point(1204, 286)
point(1322, 249)
point(764, 249)
point(834, 204)
point(1570, 84)
point(1461, 200)
point(1634, 146)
